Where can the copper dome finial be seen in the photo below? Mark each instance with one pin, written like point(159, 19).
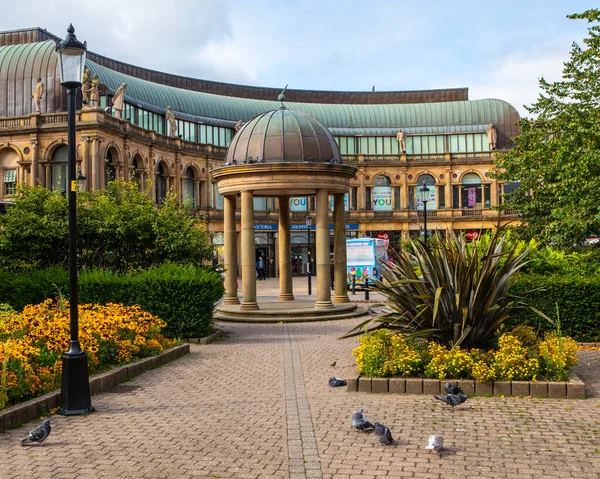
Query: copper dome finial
point(281, 97)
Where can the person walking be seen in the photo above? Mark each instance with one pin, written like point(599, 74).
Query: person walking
point(260, 267)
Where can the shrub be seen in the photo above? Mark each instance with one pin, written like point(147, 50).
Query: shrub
point(119, 228)
point(183, 297)
point(448, 363)
point(512, 362)
point(383, 354)
point(557, 354)
point(462, 296)
point(32, 343)
point(578, 299)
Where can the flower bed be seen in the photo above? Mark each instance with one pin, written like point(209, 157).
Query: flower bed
point(32, 343)
point(520, 356)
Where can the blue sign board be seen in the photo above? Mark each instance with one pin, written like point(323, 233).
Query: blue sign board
point(298, 227)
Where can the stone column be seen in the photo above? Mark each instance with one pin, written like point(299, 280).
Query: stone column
point(322, 252)
point(231, 294)
point(494, 196)
point(248, 253)
point(286, 292)
point(339, 248)
point(360, 197)
point(35, 175)
point(449, 194)
point(48, 175)
point(94, 182)
point(404, 191)
point(85, 160)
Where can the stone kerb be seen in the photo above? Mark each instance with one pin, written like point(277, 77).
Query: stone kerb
point(32, 409)
point(574, 388)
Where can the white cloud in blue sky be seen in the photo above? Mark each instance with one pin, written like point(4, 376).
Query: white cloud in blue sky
point(497, 49)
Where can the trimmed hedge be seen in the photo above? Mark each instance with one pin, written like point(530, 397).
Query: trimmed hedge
point(182, 296)
point(578, 301)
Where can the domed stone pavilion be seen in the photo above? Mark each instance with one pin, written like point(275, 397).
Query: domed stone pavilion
point(282, 154)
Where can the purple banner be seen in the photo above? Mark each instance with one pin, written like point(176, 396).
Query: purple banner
point(471, 197)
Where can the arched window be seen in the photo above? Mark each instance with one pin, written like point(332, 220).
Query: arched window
point(432, 195)
point(381, 197)
point(59, 169)
point(161, 184)
point(8, 171)
point(109, 169)
point(471, 193)
point(189, 188)
point(136, 165)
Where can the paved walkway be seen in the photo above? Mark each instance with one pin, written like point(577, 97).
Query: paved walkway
point(257, 405)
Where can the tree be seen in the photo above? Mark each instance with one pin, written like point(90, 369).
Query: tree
point(119, 228)
point(557, 155)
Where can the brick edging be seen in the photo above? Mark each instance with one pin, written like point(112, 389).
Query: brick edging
point(572, 389)
point(32, 409)
point(211, 338)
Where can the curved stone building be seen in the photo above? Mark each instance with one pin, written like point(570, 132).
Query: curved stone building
point(443, 144)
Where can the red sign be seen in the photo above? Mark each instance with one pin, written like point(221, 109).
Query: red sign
point(472, 234)
point(384, 236)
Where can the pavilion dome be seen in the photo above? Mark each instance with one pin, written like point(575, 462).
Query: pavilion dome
point(283, 136)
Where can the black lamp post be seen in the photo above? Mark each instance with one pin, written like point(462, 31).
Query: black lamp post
point(75, 388)
point(424, 197)
point(308, 225)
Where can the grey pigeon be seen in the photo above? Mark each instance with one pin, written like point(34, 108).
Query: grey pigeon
point(435, 443)
point(451, 388)
point(383, 434)
point(359, 422)
point(336, 382)
point(452, 399)
point(38, 435)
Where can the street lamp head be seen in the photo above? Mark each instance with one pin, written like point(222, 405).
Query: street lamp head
point(308, 221)
point(71, 59)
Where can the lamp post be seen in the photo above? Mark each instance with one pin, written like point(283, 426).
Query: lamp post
point(424, 197)
point(308, 225)
point(75, 387)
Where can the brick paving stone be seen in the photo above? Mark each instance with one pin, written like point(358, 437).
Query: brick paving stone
point(257, 404)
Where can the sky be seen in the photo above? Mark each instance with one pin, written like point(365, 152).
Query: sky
point(496, 49)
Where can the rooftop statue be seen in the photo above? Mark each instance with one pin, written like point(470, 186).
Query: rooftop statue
point(38, 92)
point(401, 140)
point(492, 136)
point(86, 87)
point(94, 92)
point(171, 121)
point(119, 99)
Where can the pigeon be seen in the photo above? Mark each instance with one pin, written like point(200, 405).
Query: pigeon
point(383, 434)
point(359, 422)
point(451, 388)
point(38, 435)
point(333, 364)
point(452, 399)
point(336, 382)
point(435, 443)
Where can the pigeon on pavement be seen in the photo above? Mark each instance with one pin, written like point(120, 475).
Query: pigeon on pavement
point(452, 399)
point(38, 435)
point(435, 443)
point(452, 388)
point(336, 382)
point(383, 434)
point(359, 422)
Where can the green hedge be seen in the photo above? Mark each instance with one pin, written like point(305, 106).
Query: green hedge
point(32, 287)
point(578, 300)
point(182, 296)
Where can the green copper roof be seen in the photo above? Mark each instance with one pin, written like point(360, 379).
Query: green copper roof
point(225, 110)
point(332, 116)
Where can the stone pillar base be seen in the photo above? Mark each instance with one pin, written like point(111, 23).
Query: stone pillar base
point(341, 299)
point(286, 297)
point(249, 306)
point(231, 300)
point(323, 305)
